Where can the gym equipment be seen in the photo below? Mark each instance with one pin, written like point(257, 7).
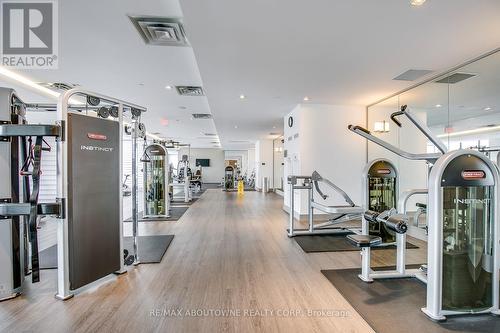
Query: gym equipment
point(20, 160)
point(156, 182)
point(462, 272)
point(380, 187)
point(125, 188)
point(340, 214)
point(463, 242)
point(228, 178)
point(183, 180)
point(89, 188)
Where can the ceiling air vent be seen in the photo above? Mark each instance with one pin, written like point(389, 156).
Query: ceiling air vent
point(202, 116)
point(455, 78)
point(412, 74)
point(190, 91)
point(166, 31)
point(210, 134)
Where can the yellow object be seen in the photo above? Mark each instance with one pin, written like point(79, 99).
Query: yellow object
point(241, 187)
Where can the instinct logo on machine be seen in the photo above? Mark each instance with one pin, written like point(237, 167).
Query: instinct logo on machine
point(94, 136)
point(473, 174)
point(29, 34)
point(95, 148)
point(384, 171)
point(469, 201)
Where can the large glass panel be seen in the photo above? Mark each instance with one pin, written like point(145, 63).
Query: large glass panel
point(467, 250)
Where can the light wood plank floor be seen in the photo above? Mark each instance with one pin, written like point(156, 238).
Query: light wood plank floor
point(229, 252)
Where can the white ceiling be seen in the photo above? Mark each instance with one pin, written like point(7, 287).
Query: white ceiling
point(274, 52)
point(339, 52)
point(101, 50)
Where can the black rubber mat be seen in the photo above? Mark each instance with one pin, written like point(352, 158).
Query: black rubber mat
point(335, 243)
point(393, 306)
point(175, 214)
point(151, 248)
point(48, 258)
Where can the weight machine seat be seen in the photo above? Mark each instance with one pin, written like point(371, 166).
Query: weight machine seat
point(364, 240)
point(337, 209)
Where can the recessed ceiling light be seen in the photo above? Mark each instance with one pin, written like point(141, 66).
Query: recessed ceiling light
point(235, 126)
point(487, 109)
point(242, 96)
point(274, 126)
point(438, 105)
point(306, 98)
point(169, 87)
point(417, 2)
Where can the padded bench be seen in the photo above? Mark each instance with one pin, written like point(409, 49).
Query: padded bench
point(364, 240)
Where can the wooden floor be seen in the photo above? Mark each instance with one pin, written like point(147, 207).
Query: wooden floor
point(229, 253)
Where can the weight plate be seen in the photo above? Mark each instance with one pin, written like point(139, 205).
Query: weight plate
point(103, 112)
point(92, 100)
point(113, 111)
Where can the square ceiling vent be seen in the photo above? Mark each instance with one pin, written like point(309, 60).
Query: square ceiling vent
point(190, 90)
point(455, 78)
point(202, 116)
point(412, 74)
point(166, 31)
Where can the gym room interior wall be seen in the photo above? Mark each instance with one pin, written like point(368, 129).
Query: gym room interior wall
point(215, 172)
point(319, 140)
point(251, 161)
point(412, 174)
point(264, 163)
point(278, 164)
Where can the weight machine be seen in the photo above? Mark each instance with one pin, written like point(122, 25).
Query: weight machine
point(88, 206)
point(183, 179)
point(462, 272)
point(380, 188)
point(156, 181)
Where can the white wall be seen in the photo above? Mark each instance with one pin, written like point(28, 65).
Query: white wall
point(278, 164)
point(320, 141)
point(252, 165)
point(215, 172)
point(264, 162)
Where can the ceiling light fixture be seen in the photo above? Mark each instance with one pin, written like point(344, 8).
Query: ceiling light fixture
point(306, 98)
point(470, 132)
point(417, 2)
point(27, 82)
point(242, 96)
point(438, 105)
point(381, 127)
point(487, 108)
point(169, 87)
point(235, 126)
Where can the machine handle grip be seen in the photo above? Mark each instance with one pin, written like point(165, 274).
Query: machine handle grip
point(398, 113)
point(356, 127)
